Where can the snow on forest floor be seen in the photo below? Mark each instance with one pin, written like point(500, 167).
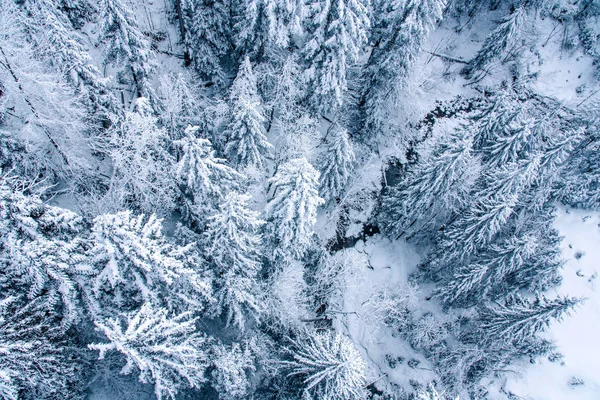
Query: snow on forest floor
point(578, 336)
point(382, 265)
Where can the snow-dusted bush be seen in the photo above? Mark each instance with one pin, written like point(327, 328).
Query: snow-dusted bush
point(393, 306)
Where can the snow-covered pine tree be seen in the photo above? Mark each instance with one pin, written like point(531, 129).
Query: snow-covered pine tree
point(231, 366)
point(292, 211)
point(287, 299)
point(208, 36)
point(511, 145)
point(400, 28)
point(203, 178)
point(264, 24)
point(580, 179)
point(287, 95)
point(471, 282)
point(329, 365)
point(502, 40)
point(135, 263)
point(542, 270)
point(438, 185)
point(338, 33)
point(36, 363)
point(233, 247)
point(166, 351)
point(337, 162)
point(496, 118)
point(141, 163)
point(518, 319)
point(477, 226)
point(125, 44)
point(247, 144)
point(42, 252)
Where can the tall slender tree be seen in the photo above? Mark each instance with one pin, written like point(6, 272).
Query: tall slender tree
point(233, 246)
point(125, 44)
point(337, 36)
point(292, 211)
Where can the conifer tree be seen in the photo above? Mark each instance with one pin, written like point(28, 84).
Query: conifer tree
point(141, 162)
point(233, 247)
point(43, 120)
point(437, 185)
point(180, 106)
point(481, 223)
point(208, 33)
point(204, 178)
point(500, 40)
point(337, 162)
point(42, 252)
point(471, 282)
point(400, 30)
point(56, 44)
point(330, 366)
point(231, 365)
point(264, 24)
point(292, 210)
point(512, 146)
point(287, 95)
point(135, 264)
point(247, 144)
point(125, 44)
point(518, 319)
point(36, 361)
point(165, 351)
point(338, 33)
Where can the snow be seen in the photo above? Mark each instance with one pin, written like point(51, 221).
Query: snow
point(577, 337)
point(379, 265)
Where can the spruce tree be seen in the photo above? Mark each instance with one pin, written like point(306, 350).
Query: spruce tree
point(247, 144)
point(57, 44)
point(141, 162)
point(263, 25)
point(136, 264)
point(400, 28)
point(165, 351)
point(230, 375)
point(233, 247)
point(292, 211)
point(337, 162)
point(518, 319)
point(203, 178)
point(499, 41)
point(43, 253)
point(330, 366)
point(208, 33)
point(337, 35)
point(125, 44)
point(436, 186)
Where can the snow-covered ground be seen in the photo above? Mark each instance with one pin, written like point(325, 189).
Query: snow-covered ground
point(382, 265)
point(578, 336)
